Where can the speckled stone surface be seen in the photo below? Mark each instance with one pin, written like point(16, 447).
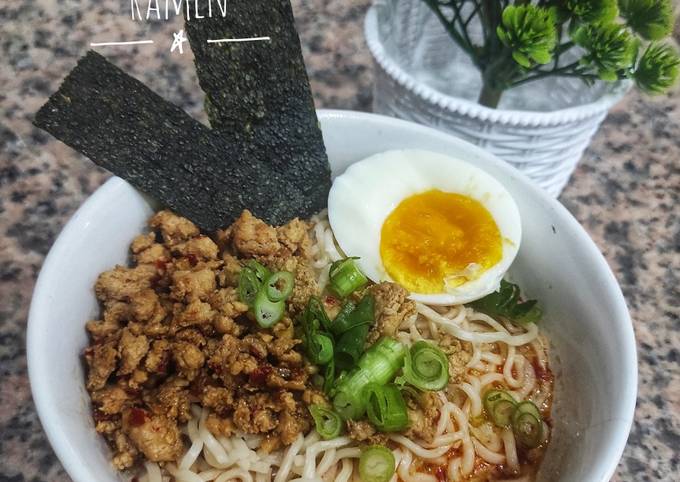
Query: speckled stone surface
point(625, 192)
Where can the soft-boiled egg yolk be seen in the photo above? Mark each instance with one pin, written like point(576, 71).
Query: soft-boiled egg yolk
point(437, 239)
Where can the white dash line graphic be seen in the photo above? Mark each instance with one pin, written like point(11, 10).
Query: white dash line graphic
point(132, 42)
point(234, 40)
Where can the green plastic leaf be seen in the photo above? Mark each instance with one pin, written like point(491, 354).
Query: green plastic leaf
point(521, 59)
point(501, 35)
point(607, 76)
point(507, 303)
point(579, 35)
point(651, 19)
point(541, 57)
point(658, 69)
point(530, 32)
point(611, 49)
point(591, 11)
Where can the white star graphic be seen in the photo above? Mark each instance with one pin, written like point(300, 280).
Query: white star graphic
point(178, 42)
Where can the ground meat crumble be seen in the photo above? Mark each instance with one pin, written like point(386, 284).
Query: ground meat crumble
point(173, 332)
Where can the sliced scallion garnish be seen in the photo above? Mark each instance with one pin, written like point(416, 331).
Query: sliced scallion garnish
point(316, 311)
point(340, 322)
point(279, 286)
point(253, 290)
point(376, 464)
point(350, 399)
point(426, 366)
point(267, 312)
point(527, 407)
point(327, 422)
point(329, 377)
point(528, 430)
point(319, 348)
point(318, 344)
point(493, 396)
point(379, 364)
point(386, 408)
point(349, 404)
point(507, 303)
point(350, 346)
point(348, 319)
point(501, 412)
point(260, 270)
point(345, 277)
point(248, 286)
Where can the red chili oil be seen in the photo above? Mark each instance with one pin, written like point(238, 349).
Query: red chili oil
point(137, 417)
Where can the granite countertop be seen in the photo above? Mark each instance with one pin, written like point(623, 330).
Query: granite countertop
point(625, 192)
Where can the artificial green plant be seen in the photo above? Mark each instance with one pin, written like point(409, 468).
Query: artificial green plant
point(525, 40)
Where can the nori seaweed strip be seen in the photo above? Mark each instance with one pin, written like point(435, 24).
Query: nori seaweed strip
point(123, 126)
point(259, 91)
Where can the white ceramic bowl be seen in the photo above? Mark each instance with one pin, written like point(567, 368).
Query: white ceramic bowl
point(586, 319)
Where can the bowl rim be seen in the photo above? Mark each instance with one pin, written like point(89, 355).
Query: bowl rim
point(67, 453)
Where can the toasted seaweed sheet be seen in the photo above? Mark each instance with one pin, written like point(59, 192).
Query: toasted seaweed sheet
point(123, 126)
point(258, 92)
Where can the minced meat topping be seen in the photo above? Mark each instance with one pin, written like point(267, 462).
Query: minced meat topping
point(173, 332)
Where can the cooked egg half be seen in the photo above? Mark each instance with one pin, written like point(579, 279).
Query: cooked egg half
point(444, 229)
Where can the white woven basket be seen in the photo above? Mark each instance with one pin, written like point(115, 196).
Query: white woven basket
point(544, 145)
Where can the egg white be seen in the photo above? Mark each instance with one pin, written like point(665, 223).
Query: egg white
point(361, 199)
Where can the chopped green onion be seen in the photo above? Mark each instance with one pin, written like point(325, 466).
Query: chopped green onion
point(500, 407)
point(379, 364)
point(248, 286)
point(329, 377)
point(347, 307)
point(327, 422)
point(345, 277)
point(527, 407)
point(260, 271)
point(319, 348)
point(501, 412)
point(279, 286)
point(383, 359)
point(350, 346)
point(350, 399)
point(308, 328)
point(376, 464)
point(266, 309)
point(315, 310)
point(493, 396)
point(426, 366)
point(317, 381)
point(340, 319)
point(267, 312)
point(507, 303)
point(363, 313)
point(407, 389)
point(528, 430)
point(386, 408)
point(319, 345)
point(339, 381)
